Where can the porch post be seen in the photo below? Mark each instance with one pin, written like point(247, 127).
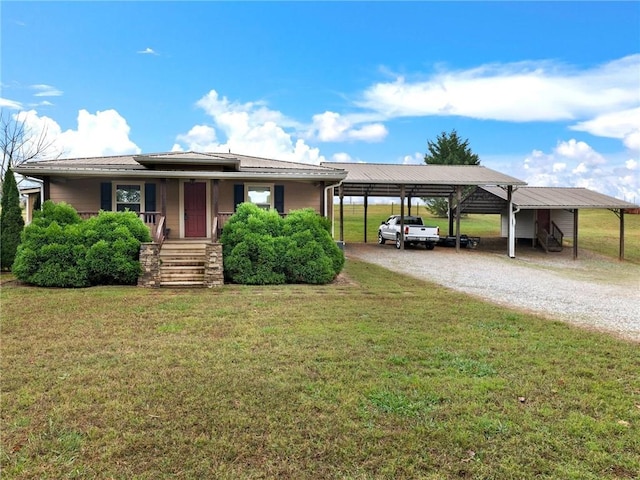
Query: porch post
point(163, 197)
point(409, 204)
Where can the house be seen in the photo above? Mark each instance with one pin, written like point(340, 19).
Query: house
point(184, 197)
point(190, 194)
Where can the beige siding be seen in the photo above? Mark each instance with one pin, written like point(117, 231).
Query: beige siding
point(81, 194)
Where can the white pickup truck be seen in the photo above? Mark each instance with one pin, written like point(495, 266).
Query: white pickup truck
point(415, 232)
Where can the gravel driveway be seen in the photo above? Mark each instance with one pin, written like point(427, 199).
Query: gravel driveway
point(592, 291)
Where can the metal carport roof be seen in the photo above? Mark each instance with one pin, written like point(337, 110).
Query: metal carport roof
point(386, 180)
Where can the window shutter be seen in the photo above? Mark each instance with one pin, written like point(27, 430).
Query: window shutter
point(278, 198)
point(149, 197)
point(105, 196)
point(238, 195)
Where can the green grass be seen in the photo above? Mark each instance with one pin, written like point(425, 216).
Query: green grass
point(599, 230)
point(379, 377)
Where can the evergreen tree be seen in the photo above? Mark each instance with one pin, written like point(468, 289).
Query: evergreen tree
point(448, 149)
point(11, 221)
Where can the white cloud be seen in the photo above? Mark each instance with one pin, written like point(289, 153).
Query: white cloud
point(416, 159)
point(624, 124)
point(333, 127)
point(341, 157)
point(46, 91)
point(517, 92)
point(576, 164)
point(103, 133)
point(147, 51)
point(12, 104)
point(248, 128)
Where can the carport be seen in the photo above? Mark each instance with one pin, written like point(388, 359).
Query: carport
point(543, 213)
point(422, 181)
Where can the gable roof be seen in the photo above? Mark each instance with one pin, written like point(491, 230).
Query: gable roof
point(374, 179)
point(182, 165)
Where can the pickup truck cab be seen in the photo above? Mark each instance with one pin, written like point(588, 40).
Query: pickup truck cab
point(415, 232)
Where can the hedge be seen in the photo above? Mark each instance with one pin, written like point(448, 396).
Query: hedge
point(59, 249)
point(260, 247)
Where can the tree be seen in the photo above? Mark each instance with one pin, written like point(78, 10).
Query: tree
point(448, 149)
point(20, 143)
point(11, 221)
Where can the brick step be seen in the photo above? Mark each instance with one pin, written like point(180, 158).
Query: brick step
point(186, 261)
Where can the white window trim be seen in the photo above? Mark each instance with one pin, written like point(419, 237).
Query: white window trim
point(271, 187)
point(114, 187)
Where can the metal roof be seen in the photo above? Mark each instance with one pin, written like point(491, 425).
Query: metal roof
point(171, 165)
point(493, 199)
point(373, 179)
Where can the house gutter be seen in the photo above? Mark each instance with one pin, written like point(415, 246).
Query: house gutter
point(326, 206)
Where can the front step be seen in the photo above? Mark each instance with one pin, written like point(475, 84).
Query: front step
point(182, 263)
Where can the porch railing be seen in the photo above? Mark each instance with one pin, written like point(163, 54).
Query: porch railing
point(551, 241)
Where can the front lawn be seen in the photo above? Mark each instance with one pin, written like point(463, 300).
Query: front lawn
point(375, 376)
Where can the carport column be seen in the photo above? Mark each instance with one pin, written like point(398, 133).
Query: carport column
point(402, 217)
point(621, 254)
point(575, 233)
point(512, 224)
point(341, 195)
point(450, 207)
point(366, 205)
point(458, 202)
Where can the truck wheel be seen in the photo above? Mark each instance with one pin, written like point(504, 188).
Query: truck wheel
point(398, 242)
point(381, 239)
point(429, 245)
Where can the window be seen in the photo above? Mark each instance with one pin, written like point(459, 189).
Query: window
point(260, 195)
point(128, 197)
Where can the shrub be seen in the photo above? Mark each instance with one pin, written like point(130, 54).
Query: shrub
point(259, 247)
point(11, 221)
point(60, 250)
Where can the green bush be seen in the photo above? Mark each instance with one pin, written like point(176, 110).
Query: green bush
point(11, 221)
point(58, 249)
point(259, 247)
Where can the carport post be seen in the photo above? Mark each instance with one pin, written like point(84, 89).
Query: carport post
point(402, 216)
point(450, 206)
point(621, 254)
point(341, 195)
point(575, 233)
point(366, 204)
point(459, 201)
point(512, 224)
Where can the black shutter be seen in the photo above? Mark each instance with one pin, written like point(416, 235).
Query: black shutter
point(238, 195)
point(278, 198)
point(105, 196)
point(149, 197)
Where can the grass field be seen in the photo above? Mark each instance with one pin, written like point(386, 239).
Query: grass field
point(598, 229)
point(377, 376)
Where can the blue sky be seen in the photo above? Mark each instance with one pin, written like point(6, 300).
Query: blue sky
point(548, 92)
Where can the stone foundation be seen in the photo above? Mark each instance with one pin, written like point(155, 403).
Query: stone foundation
point(213, 267)
point(150, 263)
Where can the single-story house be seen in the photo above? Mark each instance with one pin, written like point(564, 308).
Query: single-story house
point(188, 194)
point(185, 198)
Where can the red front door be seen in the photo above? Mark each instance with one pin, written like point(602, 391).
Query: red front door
point(195, 209)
